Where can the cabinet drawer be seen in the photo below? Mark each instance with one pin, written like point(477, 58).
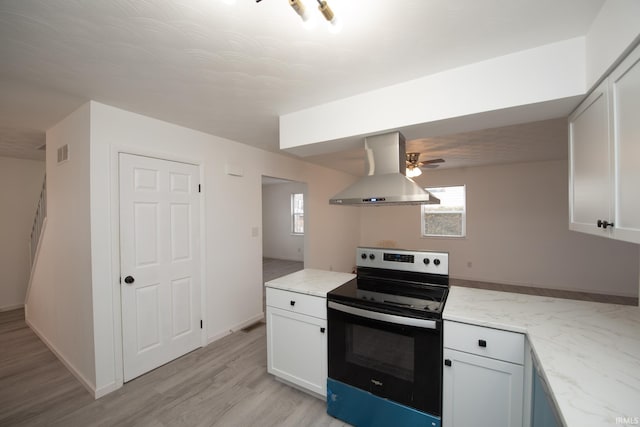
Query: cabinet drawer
point(488, 342)
point(298, 303)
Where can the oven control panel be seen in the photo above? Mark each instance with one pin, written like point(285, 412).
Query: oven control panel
point(404, 260)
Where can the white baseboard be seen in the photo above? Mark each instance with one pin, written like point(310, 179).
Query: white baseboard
point(11, 307)
point(85, 383)
point(103, 391)
point(244, 324)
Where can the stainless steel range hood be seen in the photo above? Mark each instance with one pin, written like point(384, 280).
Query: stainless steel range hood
point(385, 182)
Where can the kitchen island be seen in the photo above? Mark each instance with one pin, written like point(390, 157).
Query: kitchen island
point(311, 281)
point(297, 326)
point(587, 352)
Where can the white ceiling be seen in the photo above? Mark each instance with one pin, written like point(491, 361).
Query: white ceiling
point(526, 142)
point(231, 70)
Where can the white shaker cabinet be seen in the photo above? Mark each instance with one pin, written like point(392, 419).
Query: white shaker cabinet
point(483, 377)
point(297, 339)
point(604, 156)
point(590, 188)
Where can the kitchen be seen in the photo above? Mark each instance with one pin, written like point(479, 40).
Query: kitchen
point(222, 189)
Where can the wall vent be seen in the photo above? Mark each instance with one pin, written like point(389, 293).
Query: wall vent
point(63, 153)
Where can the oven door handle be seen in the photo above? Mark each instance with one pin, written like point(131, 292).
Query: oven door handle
point(383, 317)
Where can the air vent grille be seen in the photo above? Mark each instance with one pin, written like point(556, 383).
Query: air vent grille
point(63, 153)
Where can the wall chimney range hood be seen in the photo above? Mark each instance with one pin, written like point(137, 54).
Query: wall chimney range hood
point(385, 183)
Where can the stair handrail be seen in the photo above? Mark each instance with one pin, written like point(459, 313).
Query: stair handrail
point(38, 220)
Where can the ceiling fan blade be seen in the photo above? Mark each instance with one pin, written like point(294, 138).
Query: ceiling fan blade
point(432, 166)
point(426, 162)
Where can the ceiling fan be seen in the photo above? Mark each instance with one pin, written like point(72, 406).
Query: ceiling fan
point(414, 164)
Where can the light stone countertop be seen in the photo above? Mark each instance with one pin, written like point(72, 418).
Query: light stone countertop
point(311, 282)
point(589, 353)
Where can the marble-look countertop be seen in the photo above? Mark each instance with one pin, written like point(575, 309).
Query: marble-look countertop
point(588, 352)
point(311, 282)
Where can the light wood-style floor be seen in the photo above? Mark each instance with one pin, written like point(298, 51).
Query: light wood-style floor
point(272, 268)
point(223, 384)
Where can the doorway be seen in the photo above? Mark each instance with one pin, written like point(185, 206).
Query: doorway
point(283, 238)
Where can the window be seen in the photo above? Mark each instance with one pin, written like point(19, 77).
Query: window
point(297, 213)
point(448, 219)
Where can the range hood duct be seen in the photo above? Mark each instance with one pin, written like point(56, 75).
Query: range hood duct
point(385, 183)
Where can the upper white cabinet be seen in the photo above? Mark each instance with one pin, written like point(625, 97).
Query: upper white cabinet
point(604, 156)
point(589, 181)
point(624, 91)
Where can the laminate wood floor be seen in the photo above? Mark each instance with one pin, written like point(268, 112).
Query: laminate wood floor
point(273, 268)
point(223, 384)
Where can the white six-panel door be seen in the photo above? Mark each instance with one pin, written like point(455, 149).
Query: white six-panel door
point(159, 261)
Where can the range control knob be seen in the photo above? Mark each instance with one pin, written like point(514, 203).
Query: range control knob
point(372, 257)
point(436, 261)
point(363, 256)
point(426, 261)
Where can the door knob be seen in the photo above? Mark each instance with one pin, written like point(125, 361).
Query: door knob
point(129, 280)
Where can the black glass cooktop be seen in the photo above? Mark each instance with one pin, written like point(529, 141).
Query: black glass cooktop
point(405, 298)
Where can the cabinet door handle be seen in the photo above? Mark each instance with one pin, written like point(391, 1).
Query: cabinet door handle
point(482, 343)
point(292, 302)
point(604, 224)
point(447, 362)
point(322, 330)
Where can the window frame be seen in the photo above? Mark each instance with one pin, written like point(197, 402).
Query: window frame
point(295, 214)
point(423, 212)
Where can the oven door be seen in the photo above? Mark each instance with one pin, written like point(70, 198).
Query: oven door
point(394, 357)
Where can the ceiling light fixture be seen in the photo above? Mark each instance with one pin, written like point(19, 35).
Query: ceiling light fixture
point(413, 171)
point(329, 16)
point(299, 7)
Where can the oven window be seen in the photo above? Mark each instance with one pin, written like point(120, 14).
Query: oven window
point(381, 351)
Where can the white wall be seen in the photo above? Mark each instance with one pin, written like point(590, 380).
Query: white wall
point(611, 33)
point(517, 232)
point(277, 239)
point(59, 305)
point(20, 186)
point(231, 210)
point(531, 77)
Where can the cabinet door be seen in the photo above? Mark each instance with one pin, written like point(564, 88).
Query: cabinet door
point(481, 392)
point(589, 164)
point(624, 92)
point(297, 349)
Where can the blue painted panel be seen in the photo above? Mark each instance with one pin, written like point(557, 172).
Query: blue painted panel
point(543, 412)
point(363, 409)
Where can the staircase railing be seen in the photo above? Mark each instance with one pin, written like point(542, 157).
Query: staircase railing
point(38, 221)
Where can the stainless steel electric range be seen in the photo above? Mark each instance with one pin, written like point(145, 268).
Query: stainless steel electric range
point(385, 339)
